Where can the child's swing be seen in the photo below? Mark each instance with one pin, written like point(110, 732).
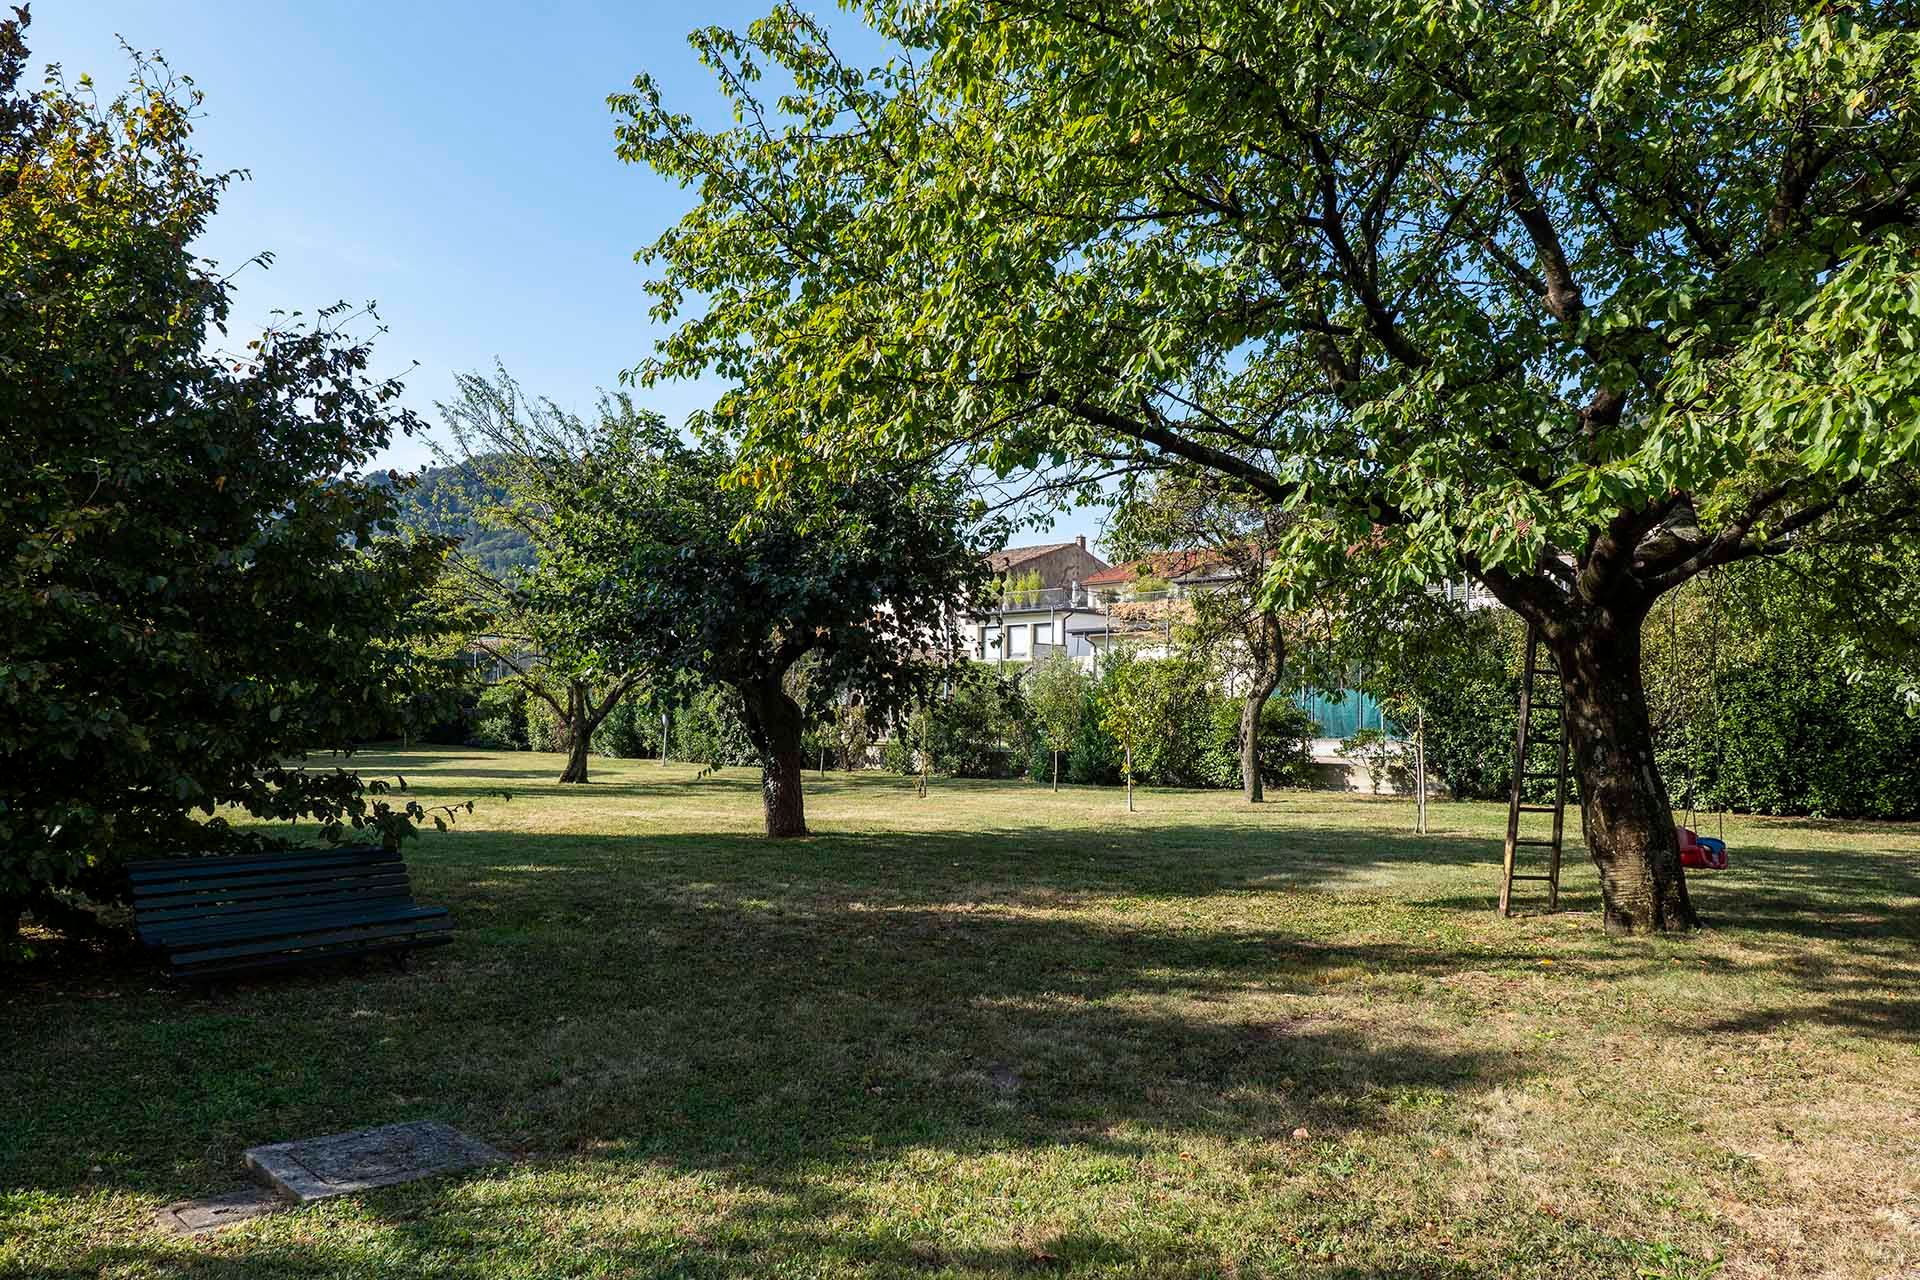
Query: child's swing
point(1704, 853)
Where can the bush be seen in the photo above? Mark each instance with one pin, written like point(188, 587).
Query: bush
point(1286, 745)
point(631, 731)
point(500, 717)
point(982, 728)
point(1170, 704)
point(710, 730)
point(542, 726)
point(1793, 734)
point(899, 755)
point(1094, 758)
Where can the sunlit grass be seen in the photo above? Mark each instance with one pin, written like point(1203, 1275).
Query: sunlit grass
point(997, 1031)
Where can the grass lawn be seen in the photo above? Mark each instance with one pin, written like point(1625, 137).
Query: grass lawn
point(1001, 1032)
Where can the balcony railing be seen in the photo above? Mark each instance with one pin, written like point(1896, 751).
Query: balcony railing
point(1040, 598)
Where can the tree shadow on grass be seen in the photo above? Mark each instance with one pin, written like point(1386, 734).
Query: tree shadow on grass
point(763, 1039)
point(791, 1019)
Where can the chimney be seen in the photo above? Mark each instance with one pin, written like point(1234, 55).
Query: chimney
point(1082, 540)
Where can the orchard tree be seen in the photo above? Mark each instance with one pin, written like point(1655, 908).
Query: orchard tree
point(1132, 707)
point(1057, 692)
point(1581, 299)
point(543, 622)
point(198, 586)
point(861, 579)
point(1246, 634)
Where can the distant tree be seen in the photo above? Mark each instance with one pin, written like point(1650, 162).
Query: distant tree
point(1132, 706)
point(1241, 629)
point(1057, 692)
point(525, 462)
point(448, 502)
point(695, 576)
point(198, 585)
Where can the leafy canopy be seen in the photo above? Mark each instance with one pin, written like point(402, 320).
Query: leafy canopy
point(197, 587)
point(1583, 298)
point(863, 580)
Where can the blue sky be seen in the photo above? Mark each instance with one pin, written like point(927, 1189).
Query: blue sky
point(452, 162)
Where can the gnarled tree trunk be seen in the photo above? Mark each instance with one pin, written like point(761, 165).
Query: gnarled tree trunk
point(774, 725)
point(579, 734)
point(1625, 810)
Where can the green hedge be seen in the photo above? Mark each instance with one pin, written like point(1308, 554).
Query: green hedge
point(1792, 733)
point(1756, 708)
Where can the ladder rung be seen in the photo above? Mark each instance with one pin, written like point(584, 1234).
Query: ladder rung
point(1537, 774)
point(1535, 808)
point(1542, 844)
point(1518, 876)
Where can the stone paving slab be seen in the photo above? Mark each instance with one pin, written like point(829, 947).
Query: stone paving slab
point(198, 1217)
point(343, 1163)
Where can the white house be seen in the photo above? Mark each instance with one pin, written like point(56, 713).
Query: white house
point(1033, 623)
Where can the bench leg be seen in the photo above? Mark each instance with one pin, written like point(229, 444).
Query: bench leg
point(403, 961)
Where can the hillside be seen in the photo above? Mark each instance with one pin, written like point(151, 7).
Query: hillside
point(447, 501)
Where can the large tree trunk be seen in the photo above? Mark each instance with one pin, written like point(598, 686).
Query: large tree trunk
point(578, 734)
point(1624, 805)
point(774, 724)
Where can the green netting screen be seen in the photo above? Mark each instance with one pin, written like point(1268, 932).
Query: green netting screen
point(1345, 715)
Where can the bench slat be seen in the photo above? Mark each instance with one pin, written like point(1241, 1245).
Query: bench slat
point(319, 875)
point(220, 865)
point(438, 922)
point(290, 923)
point(262, 923)
point(198, 897)
point(395, 887)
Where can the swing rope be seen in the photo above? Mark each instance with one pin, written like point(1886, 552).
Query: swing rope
point(1716, 622)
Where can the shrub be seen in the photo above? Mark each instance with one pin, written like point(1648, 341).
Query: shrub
point(1094, 758)
point(1286, 745)
point(899, 754)
point(982, 728)
point(500, 717)
point(710, 730)
point(631, 731)
point(1167, 705)
point(542, 726)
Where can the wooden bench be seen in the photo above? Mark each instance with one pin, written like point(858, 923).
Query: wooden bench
point(216, 917)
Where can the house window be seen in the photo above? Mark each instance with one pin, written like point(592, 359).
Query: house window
point(1017, 641)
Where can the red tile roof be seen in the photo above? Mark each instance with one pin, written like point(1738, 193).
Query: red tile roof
point(1167, 564)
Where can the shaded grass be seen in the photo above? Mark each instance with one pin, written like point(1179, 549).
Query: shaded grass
point(999, 1032)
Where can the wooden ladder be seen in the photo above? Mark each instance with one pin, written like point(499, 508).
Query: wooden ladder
point(1542, 677)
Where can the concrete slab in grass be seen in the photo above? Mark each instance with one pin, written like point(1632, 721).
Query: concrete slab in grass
point(198, 1217)
point(343, 1163)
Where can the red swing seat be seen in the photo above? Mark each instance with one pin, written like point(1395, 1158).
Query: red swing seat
point(1702, 852)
